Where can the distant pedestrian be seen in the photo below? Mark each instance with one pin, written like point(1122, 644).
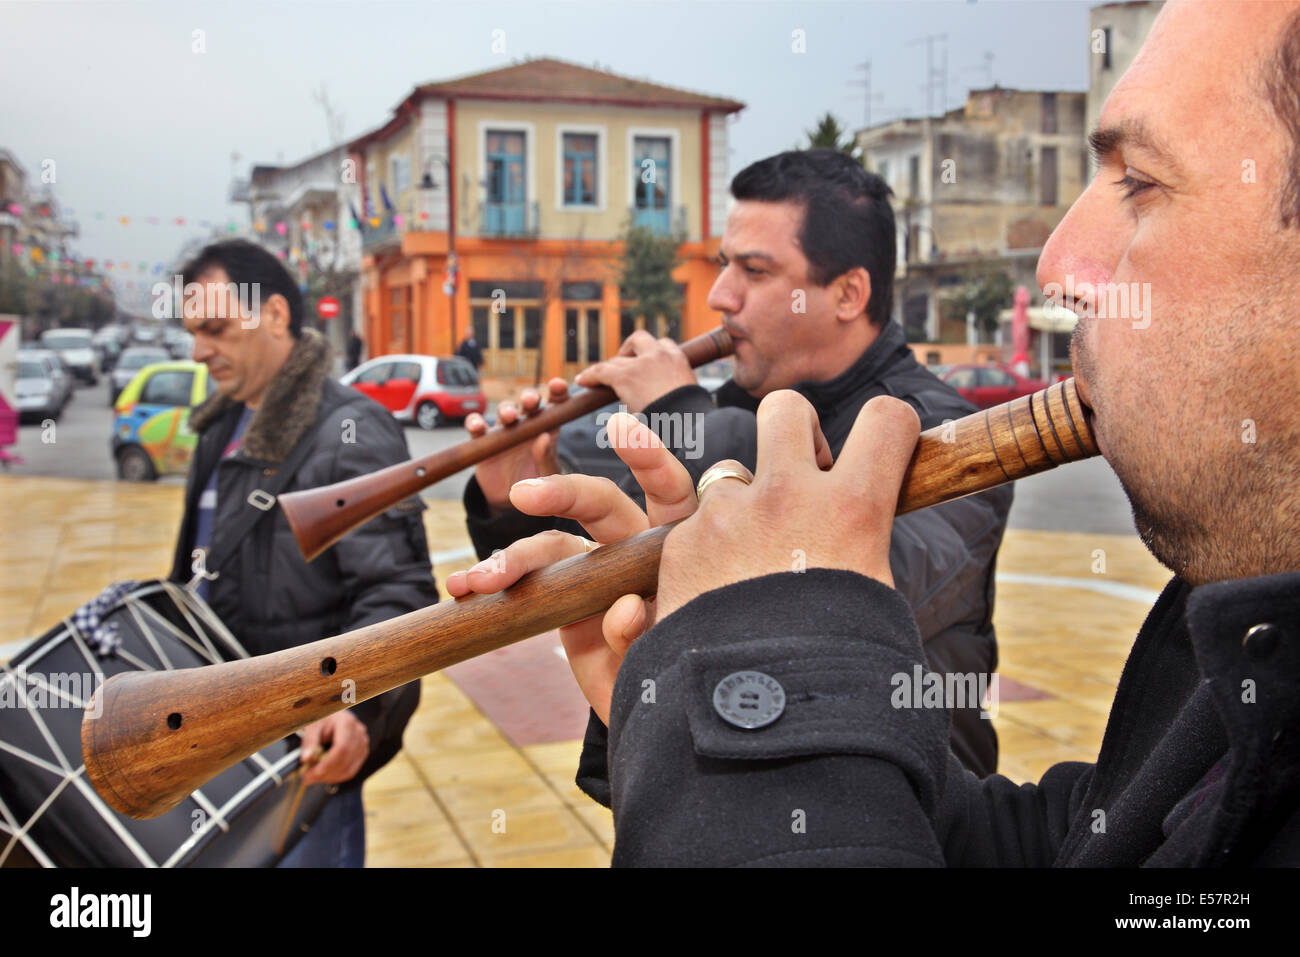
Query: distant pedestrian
point(354, 350)
point(469, 349)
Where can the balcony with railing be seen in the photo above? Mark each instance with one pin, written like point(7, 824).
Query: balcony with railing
point(508, 219)
point(387, 233)
point(662, 221)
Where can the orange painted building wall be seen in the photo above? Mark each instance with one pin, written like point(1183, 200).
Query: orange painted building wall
point(419, 267)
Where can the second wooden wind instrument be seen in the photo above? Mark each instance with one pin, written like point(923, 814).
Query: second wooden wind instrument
point(162, 734)
point(319, 517)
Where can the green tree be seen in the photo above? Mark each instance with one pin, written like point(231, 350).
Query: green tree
point(986, 293)
point(646, 272)
point(830, 135)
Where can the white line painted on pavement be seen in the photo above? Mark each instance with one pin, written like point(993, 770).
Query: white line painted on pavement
point(1114, 589)
point(453, 555)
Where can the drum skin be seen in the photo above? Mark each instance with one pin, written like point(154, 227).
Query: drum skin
point(235, 820)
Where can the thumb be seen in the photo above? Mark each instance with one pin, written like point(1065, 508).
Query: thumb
point(625, 622)
point(311, 738)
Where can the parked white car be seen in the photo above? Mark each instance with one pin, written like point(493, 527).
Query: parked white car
point(43, 386)
point(76, 349)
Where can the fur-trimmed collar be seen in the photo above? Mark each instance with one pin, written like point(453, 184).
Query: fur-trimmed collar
point(289, 408)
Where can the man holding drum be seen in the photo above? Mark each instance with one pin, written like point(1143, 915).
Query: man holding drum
point(1198, 764)
point(278, 421)
point(805, 290)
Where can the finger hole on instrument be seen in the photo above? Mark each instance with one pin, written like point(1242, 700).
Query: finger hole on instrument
point(787, 424)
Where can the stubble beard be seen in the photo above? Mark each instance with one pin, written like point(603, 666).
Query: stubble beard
point(1208, 509)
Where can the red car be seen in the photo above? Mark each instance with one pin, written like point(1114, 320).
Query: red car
point(989, 385)
point(426, 390)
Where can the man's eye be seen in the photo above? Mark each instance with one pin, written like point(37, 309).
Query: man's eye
point(1132, 185)
point(753, 272)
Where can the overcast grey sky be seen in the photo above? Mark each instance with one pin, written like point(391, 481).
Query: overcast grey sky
point(139, 125)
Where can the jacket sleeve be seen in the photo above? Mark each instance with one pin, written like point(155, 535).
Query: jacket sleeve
point(855, 771)
point(384, 564)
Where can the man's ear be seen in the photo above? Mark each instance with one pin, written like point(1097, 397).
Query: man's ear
point(275, 314)
point(853, 294)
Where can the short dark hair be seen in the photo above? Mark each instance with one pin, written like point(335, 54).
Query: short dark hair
point(847, 220)
point(1282, 78)
point(246, 262)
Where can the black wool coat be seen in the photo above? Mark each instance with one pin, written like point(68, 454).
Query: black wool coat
point(1199, 766)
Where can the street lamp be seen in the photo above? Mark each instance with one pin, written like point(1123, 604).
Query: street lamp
point(427, 185)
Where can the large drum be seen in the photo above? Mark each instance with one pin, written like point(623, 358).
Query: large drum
point(248, 816)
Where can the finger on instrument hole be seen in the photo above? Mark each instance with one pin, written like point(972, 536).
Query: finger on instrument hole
point(625, 622)
point(507, 412)
point(502, 569)
point(638, 343)
point(529, 400)
point(592, 376)
point(559, 390)
point(669, 489)
point(594, 502)
point(879, 448)
point(787, 430)
point(475, 424)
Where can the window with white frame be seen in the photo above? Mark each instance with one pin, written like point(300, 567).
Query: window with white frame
point(399, 173)
point(580, 169)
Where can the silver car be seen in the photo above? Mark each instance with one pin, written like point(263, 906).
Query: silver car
point(131, 361)
point(43, 386)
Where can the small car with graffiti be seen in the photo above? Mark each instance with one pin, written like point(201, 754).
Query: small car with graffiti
point(151, 433)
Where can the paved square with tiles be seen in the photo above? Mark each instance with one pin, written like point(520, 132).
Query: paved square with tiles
point(486, 776)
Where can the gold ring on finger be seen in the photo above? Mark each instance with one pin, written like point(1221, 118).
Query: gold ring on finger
point(716, 473)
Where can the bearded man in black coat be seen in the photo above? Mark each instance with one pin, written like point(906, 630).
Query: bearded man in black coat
point(1192, 402)
point(805, 289)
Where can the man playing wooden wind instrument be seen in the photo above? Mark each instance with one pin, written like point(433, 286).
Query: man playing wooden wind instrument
point(805, 290)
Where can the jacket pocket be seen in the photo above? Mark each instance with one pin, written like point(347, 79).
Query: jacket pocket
point(842, 696)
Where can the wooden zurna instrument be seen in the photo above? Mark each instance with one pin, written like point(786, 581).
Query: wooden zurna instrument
point(160, 735)
point(319, 517)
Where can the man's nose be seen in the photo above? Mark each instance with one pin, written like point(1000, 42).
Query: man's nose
point(1085, 247)
point(202, 350)
point(724, 297)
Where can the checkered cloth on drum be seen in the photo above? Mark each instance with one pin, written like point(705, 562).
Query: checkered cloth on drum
point(89, 618)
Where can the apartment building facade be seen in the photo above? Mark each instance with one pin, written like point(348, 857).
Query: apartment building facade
point(303, 212)
point(981, 187)
point(497, 202)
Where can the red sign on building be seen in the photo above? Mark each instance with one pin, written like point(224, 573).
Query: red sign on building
point(328, 307)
